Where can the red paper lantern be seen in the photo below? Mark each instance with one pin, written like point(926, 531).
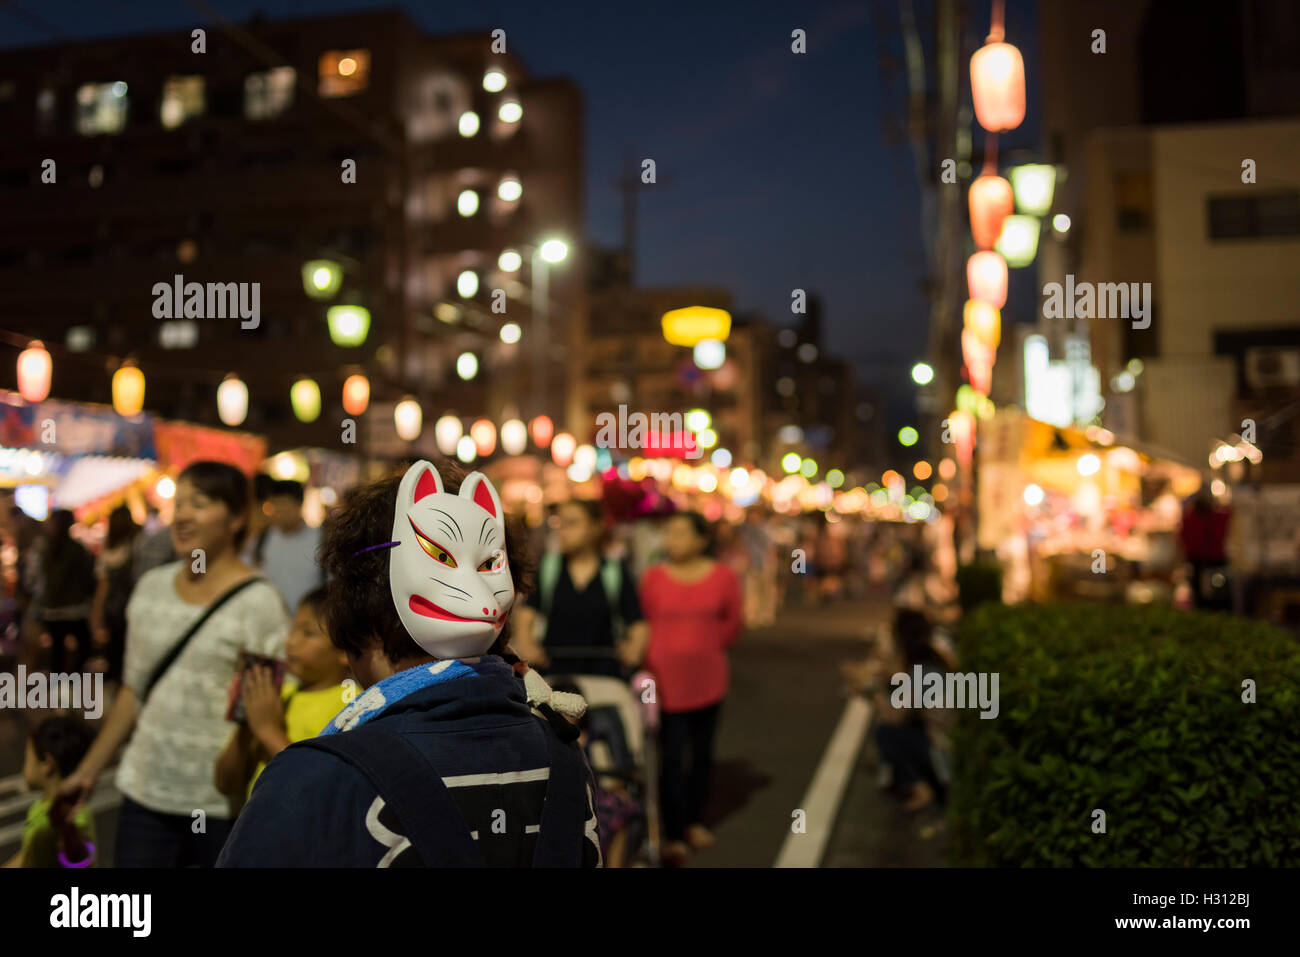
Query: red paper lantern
point(484, 434)
point(34, 370)
point(356, 394)
point(543, 429)
point(997, 85)
point(986, 277)
point(962, 425)
point(991, 201)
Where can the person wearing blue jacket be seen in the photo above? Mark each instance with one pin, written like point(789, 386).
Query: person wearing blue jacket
point(456, 754)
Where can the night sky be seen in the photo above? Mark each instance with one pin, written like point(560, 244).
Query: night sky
point(775, 170)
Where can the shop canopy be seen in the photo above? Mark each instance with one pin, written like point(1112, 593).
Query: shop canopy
point(92, 477)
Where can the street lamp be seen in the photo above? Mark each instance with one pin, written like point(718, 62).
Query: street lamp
point(1033, 185)
point(1018, 243)
point(321, 278)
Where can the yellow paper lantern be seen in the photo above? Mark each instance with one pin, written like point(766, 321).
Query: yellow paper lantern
point(128, 390)
point(984, 320)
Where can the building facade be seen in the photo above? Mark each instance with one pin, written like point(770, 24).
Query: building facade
point(413, 161)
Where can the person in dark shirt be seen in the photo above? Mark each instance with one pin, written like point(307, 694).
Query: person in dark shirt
point(594, 624)
point(456, 754)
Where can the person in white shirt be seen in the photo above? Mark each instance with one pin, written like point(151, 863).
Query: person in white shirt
point(186, 624)
point(286, 550)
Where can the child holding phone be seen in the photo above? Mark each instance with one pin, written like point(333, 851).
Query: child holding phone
point(273, 717)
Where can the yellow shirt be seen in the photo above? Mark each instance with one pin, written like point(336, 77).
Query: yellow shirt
point(306, 713)
point(41, 840)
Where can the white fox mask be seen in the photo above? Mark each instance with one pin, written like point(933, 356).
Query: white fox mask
point(449, 574)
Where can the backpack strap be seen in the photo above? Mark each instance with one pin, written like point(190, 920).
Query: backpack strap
point(565, 813)
point(611, 579)
point(169, 659)
point(412, 787)
point(548, 576)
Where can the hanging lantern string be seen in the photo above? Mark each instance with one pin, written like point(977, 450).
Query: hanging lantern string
point(996, 31)
point(990, 154)
point(168, 370)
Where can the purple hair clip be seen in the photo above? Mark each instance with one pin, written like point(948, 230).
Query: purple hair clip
point(371, 548)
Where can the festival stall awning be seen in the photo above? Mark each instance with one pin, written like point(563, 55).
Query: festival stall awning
point(180, 443)
point(92, 477)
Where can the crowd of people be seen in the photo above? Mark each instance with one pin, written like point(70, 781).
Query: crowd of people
point(237, 630)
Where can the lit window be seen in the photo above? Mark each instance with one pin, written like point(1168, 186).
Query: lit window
point(344, 72)
point(178, 334)
point(45, 103)
point(182, 99)
point(101, 108)
point(268, 94)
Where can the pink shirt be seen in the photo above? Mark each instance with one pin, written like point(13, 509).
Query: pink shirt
point(692, 624)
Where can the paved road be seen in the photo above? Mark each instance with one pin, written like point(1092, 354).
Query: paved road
point(786, 701)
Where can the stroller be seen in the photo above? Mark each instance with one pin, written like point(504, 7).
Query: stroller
point(622, 726)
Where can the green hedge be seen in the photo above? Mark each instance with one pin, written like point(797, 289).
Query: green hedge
point(978, 583)
point(1137, 711)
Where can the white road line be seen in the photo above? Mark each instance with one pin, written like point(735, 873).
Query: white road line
point(821, 802)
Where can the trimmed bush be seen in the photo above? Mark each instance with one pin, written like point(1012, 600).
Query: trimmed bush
point(1137, 711)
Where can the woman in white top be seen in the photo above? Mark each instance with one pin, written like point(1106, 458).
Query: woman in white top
point(166, 774)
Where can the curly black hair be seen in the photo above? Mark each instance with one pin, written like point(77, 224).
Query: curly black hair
point(358, 608)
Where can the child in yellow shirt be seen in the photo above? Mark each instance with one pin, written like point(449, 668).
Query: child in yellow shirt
point(318, 687)
point(52, 838)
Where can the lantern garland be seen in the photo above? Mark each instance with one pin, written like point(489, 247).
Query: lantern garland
point(997, 73)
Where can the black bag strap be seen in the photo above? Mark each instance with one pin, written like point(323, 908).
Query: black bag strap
point(411, 786)
point(564, 815)
point(161, 668)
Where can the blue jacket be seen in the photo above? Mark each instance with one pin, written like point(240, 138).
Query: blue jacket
point(311, 808)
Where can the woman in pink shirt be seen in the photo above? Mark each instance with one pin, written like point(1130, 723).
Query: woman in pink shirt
point(693, 606)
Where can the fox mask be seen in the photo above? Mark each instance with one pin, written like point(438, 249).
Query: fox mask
point(449, 576)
